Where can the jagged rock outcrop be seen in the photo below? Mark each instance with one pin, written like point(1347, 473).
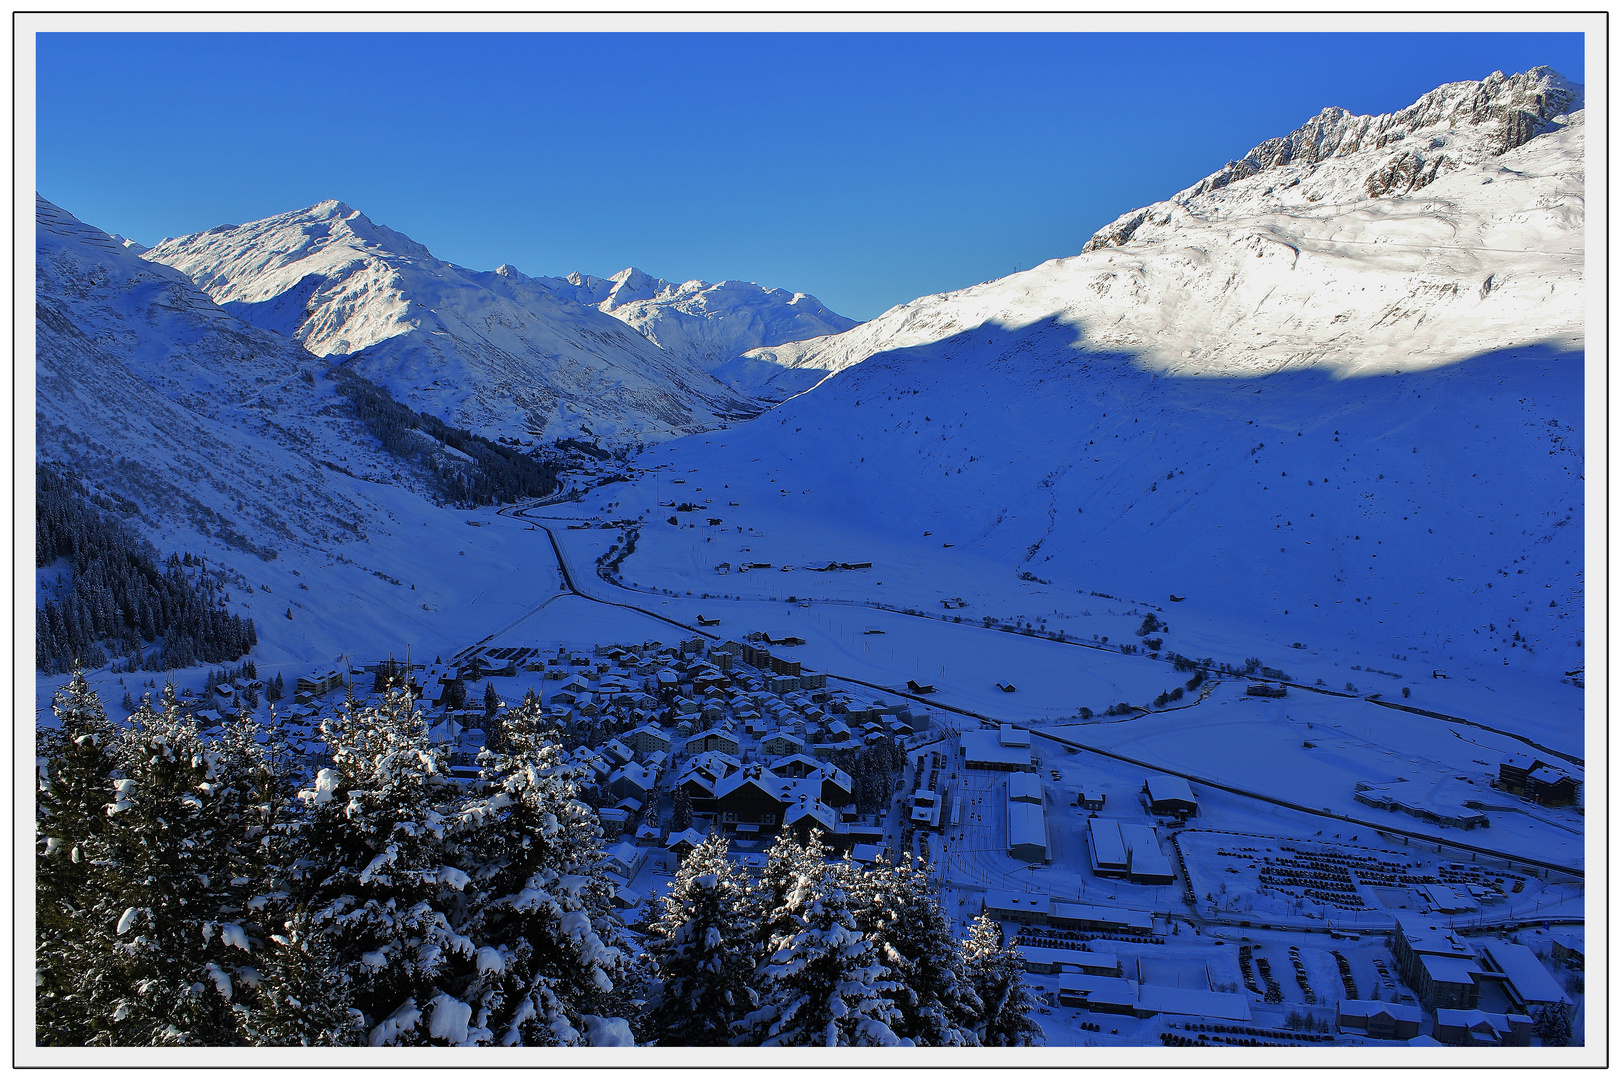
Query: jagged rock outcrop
point(1385, 155)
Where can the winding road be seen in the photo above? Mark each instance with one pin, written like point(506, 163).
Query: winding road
point(571, 586)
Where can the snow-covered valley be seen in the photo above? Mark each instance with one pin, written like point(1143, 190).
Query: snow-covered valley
point(1278, 488)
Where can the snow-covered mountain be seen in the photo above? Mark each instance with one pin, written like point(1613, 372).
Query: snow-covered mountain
point(226, 440)
point(498, 351)
point(148, 389)
point(1382, 243)
point(1303, 406)
point(709, 325)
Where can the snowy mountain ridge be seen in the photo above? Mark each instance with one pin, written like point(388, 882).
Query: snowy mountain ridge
point(1298, 266)
point(707, 324)
point(1392, 154)
point(496, 351)
point(148, 389)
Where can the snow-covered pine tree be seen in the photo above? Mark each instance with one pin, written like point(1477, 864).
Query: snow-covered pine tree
point(995, 974)
point(71, 894)
point(825, 986)
point(553, 965)
point(899, 910)
point(293, 1004)
point(787, 864)
point(702, 953)
point(373, 866)
point(172, 860)
point(1552, 1024)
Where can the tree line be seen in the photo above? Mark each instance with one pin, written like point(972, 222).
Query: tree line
point(121, 594)
point(496, 473)
point(196, 890)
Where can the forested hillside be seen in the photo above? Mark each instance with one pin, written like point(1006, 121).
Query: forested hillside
point(113, 592)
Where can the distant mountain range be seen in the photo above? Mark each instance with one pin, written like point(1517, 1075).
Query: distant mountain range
point(624, 360)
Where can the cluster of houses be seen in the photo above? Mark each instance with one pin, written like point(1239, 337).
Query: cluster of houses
point(1482, 994)
point(745, 736)
point(1454, 977)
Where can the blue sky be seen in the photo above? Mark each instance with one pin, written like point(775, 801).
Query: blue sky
point(868, 169)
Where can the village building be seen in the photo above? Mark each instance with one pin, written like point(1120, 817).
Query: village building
point(1170, 795)
point(1378, 1019)
point(648, 739)
point(985, 750)
point(1097, 993)
point(1026, 831)
point(635, 781)
point(683, 842)
point(1472, 1027)
point(1438, 964)
point(1024, 787)
point(1042, 960)
point(712, 739)
point(1538, 781)
point(781, 744)
point(1521, 975)
point(1036, 909)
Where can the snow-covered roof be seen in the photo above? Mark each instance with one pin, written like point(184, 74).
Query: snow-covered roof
point(1026, 826)
point(1169, 787)
point(1002, 900)
point(1394, 1010)
point(1011, 736)
point(1107, 849)
point(985, 747)
point(1101, 989)
point(1024, 787)
point(1524, 970)
point(1185, 1001)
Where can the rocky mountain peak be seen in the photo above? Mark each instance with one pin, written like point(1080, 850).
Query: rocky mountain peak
point(1393, 154)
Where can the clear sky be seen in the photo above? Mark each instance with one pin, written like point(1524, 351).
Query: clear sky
point(868, 169)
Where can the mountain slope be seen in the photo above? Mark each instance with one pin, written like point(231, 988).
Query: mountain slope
point(1354, 421)
point(147, 388)
point(496, 352)
point(229, 441)
point(1292, 264)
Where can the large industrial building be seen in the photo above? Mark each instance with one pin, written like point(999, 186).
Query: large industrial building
point(1127, 850)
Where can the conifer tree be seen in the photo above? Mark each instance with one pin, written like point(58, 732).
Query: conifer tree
point(373, 869)
point(825, 985)
point(294, 1003)
point(174, 972)
point(552, 964)
point(788, 864)
point(995, 974)
point(899, 911)
point(72, 895)
point(701, 952)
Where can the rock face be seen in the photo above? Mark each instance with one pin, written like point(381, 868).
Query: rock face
point(497, 352)
point(1450, 127)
